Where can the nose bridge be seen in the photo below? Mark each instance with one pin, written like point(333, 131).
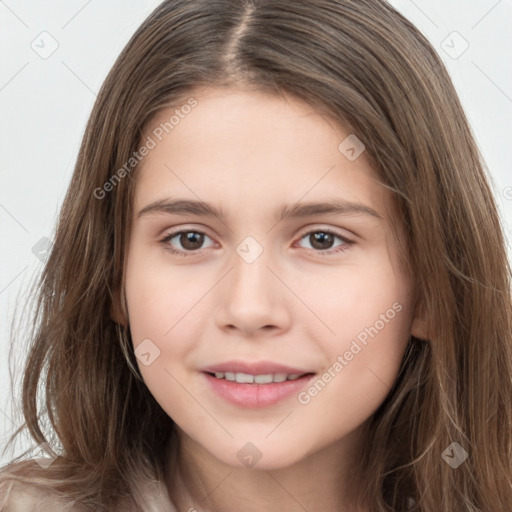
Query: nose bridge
point(251, 266)
point(252, 299)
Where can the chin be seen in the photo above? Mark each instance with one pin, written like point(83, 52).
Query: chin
point(263, 455)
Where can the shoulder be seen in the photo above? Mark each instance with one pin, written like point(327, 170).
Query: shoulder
point(23, 497)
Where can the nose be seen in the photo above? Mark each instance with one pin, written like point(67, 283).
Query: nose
point(254, 300)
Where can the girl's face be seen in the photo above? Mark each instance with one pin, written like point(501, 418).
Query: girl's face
point(318, 290)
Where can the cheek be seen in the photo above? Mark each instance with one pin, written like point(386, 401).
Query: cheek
point(366, 358)
point(159, 300)
point(363, 364)
point(153, 314)
point(349, 300)
point(368, 314)
point(158, 296)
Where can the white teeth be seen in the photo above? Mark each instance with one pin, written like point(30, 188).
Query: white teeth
point(245, 378)
point(263, 379)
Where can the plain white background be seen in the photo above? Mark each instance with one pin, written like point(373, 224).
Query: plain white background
point(45, 100)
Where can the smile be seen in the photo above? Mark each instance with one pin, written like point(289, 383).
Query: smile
point(256, 391)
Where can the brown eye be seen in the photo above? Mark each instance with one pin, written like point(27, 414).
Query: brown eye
point(191, 240)
point(322, 240)
point(188, 241)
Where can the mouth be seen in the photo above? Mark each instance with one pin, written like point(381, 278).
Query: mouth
point(264, 379)
point(256, 391)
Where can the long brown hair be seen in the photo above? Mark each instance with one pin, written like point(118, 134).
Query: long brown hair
point(366, 66)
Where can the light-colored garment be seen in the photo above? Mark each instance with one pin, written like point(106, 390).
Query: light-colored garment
point(20, 497)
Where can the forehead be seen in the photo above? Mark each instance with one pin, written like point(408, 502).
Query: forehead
point(244, 119)
point(251, 148)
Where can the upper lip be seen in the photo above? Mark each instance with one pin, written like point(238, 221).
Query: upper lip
point(254, 368)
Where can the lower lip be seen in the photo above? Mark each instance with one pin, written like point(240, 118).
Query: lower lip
point(254, 396)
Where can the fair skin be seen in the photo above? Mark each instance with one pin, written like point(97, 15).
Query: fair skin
point(298, 303)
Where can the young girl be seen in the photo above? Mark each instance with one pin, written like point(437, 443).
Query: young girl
point(278, 281)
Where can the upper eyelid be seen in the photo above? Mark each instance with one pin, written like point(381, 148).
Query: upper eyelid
point(336, 231)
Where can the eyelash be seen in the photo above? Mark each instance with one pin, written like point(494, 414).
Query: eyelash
point(346, 242)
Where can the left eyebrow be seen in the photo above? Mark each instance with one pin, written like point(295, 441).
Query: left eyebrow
point(336, 207)
point(299, 210)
